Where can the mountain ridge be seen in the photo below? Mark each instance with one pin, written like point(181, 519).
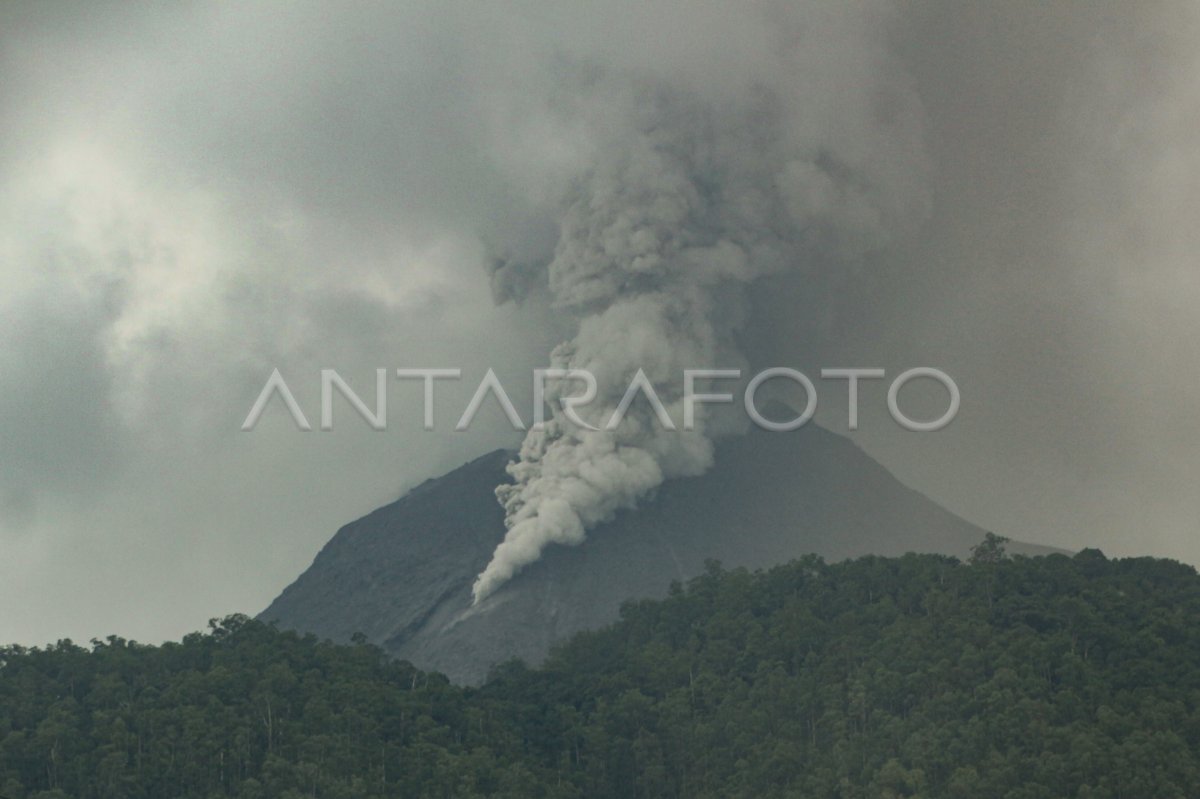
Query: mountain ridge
point(402, 574)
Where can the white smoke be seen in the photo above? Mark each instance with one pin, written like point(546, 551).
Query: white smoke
point(690, 193)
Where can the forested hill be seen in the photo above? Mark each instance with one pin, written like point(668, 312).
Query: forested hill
point(879, 677)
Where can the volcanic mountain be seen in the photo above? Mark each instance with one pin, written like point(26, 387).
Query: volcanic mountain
point(402, 575)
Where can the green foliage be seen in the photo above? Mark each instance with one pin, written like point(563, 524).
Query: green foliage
point(881, 677)
point(989, 550)
point(247, 711)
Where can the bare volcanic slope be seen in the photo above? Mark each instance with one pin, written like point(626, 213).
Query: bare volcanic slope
point(402, 575)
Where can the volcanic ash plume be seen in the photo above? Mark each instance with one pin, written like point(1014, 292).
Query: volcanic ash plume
point(689, 195)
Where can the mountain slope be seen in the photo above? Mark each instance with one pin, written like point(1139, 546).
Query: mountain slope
point(402, 575)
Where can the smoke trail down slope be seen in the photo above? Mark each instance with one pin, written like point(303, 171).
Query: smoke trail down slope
point(691, 194)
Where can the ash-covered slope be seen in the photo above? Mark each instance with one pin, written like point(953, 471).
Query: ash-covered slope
point(403, 574)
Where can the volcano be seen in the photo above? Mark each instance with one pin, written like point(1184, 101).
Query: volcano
point(402, 575)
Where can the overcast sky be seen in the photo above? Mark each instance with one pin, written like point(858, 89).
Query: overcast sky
point(194, 195)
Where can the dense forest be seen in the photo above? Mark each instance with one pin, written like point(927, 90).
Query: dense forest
point(917, 676)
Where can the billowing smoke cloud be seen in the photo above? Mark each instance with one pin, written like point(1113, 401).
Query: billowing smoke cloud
point(691, 193)
point(194, 194)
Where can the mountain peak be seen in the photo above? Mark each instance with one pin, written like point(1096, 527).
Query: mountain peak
point(402, 575)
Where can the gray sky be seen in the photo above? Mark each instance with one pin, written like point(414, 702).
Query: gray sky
point(192, 196)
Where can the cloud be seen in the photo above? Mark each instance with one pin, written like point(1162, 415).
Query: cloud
point(195, 195)
point(689, 194)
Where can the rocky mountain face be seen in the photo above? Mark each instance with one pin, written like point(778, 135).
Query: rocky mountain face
point(402, 575)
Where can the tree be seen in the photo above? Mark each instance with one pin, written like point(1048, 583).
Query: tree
point(989, 550)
